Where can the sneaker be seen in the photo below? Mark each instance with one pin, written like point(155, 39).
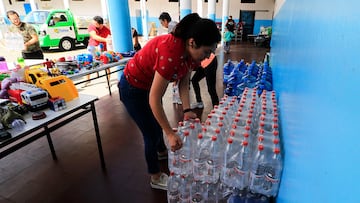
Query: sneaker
point(162, 155)
point(175, 95)
point(198, 105)
point(161, 183)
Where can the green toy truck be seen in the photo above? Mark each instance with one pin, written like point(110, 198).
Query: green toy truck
point(59, 28)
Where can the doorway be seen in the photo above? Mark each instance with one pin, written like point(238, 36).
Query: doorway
point(247, 18)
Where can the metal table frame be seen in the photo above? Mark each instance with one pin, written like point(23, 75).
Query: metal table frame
point(35, 129)
point(121, 63)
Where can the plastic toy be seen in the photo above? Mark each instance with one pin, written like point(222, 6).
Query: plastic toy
point(35, 99)
point(10, 116)
point(57, 104)
point(59, 86)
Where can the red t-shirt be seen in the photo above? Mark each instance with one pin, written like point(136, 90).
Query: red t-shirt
point(163, 54)
point(103, 32)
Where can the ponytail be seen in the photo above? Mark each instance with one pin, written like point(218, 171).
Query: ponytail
point(204, 31)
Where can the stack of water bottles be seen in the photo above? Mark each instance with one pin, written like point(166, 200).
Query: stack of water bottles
point(241, 75)
point(236, 152)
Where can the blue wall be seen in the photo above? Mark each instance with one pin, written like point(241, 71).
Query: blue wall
point(259, 23)
point(315, 45)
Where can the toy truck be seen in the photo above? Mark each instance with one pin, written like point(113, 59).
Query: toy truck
point(35, 99)
point(59, 28)
point(58, 86)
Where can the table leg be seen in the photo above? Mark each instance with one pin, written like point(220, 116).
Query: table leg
point(97, 134)
point(107, 79)
point(52, 149)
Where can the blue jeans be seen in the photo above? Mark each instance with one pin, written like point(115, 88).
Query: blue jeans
point(136, 102)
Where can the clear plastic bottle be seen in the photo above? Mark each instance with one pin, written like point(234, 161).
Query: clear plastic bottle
point(215, 161)
point(109, 43)
point(273, 174)
point(257, 171)
point(185, 188)
point(237, 165)
point(197, 191)
point(174, 158)
point(185, 154)
point(232, 155)
point(211, 192)
point(174, 182)
point(201, 155)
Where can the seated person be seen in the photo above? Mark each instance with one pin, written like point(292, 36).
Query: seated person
point(62, 18)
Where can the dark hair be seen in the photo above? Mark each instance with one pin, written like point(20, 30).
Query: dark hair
point(165, 16)
point(99, 20)
point(11, 12)
point(204, 31)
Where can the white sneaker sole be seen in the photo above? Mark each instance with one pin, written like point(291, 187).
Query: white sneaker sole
point(154, 186)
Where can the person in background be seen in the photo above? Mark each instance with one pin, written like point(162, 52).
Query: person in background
point(162, 60)
point(32, 48)
point(227, 40)
point(98, 34)
point(167, 23)
point(135, 38)
point(207, 69)
point(230, 24)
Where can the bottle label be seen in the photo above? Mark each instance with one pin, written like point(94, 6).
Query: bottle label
point(239, 171)
point(270, 178)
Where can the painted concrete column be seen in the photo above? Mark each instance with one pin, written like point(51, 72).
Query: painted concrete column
point(211, 9)
point(225, 13)
point(66, 4)
point(119, 19)
point(2, 9)
point(185, 8)
point(144, 21)
point(33, 5)
point(104, 9)
point(200, 8)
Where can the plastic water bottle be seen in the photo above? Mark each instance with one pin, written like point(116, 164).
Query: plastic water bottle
point(228, 67)
point(195, 129)
point(215, 161)
point(174, 159)
point(185, 188)
point(201, 155)
point(197, 191)
point(109, 43)
point(257, 171)
point(237, 165)
point(273, 174)
point(173, 195)
point(212, 192)
point(185, 154)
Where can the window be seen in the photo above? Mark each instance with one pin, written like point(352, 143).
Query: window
point(207, 1)
point(173, 0)
point(247, 1)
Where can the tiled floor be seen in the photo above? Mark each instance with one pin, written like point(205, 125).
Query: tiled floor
point(30, 174)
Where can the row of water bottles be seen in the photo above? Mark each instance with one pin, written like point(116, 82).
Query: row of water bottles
point(14, 41)
point(236, 148)
point(238, 77)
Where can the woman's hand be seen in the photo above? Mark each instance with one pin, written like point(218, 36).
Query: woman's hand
point(174, 140)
